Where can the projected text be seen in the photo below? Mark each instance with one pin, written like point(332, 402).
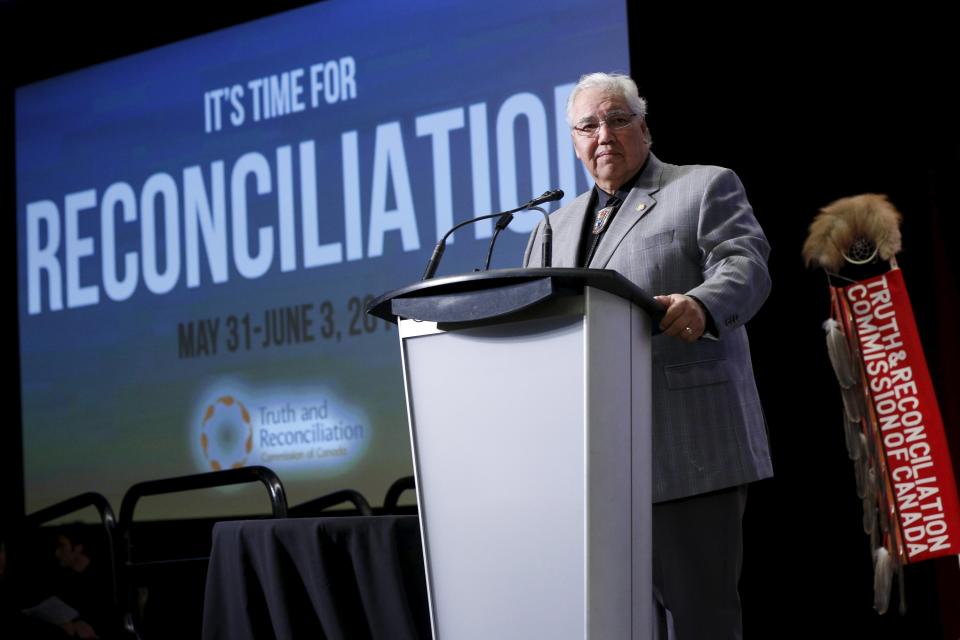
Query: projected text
point(280, 94)
point(255, 213)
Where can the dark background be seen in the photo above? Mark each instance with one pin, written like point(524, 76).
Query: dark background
point(807, 108)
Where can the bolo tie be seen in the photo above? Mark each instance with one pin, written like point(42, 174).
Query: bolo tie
point(600, 224)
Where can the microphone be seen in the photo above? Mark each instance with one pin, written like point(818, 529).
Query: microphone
point(505, 217)
point(545, 197)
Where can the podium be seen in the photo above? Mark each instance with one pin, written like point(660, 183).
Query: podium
point(528, 396)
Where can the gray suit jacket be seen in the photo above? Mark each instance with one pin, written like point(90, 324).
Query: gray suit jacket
point(689, 229)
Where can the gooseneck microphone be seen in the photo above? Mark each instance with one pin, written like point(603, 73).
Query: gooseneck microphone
point(545, 197)
point(505, 218)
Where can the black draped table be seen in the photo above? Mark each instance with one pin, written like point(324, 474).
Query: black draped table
point(335, 578)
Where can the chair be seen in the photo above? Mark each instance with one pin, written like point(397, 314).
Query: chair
point(391, 500)
point(164, 597)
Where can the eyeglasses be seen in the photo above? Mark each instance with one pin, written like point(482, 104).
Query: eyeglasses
point(590, 128)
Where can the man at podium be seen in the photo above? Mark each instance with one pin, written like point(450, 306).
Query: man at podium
point(689, 234)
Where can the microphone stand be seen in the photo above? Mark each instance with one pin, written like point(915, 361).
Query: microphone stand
point(505, 217)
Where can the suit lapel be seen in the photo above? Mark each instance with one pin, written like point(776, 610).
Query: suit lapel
point(567, 232)
point(638, 204)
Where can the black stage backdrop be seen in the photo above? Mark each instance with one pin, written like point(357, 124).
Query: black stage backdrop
point(806, 108)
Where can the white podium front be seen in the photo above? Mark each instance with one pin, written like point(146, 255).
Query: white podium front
point(528, 394)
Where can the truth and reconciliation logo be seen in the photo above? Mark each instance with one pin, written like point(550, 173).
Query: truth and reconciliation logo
point(225, 422)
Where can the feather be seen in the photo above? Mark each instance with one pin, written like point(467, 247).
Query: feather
point(882, 579)
point(860, 475)
point(855, 230)
point(839, 352)
point(870, 502)
point(851, 403)
point(870, 478)
point(885, 524)
point(871, 447)
point(869, 516)
point(851, 434)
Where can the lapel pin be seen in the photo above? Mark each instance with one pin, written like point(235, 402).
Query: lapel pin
point(641, 207)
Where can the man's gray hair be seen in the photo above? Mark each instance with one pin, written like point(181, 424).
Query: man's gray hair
point(615, 83)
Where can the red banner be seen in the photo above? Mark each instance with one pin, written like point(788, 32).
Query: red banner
point(906, 418)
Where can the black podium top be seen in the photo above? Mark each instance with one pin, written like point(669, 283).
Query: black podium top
point(491, 294)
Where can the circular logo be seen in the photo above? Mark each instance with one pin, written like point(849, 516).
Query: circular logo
point(226, 434)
